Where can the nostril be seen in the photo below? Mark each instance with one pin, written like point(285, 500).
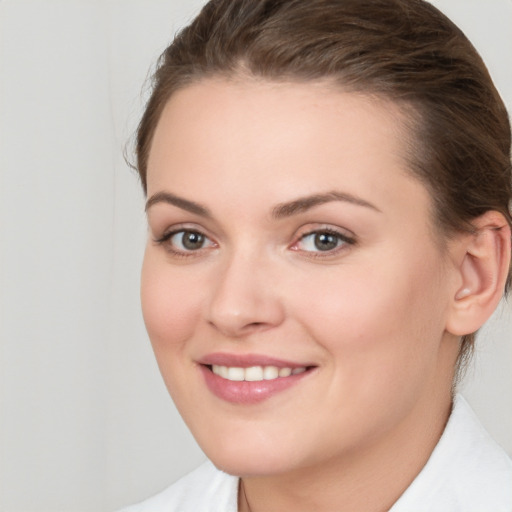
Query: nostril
point(256, 326)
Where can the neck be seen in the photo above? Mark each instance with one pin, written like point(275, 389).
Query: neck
point(371, 479)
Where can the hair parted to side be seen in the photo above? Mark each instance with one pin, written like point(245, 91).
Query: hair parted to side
point(403, 50)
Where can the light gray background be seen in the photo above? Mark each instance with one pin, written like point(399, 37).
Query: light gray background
point(85, 421)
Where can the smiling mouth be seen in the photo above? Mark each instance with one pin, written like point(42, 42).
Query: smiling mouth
point(254, 373)
point(247, 383)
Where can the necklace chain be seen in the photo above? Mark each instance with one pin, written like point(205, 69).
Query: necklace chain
point(242, 488)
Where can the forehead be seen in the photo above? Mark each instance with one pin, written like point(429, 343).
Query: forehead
point(279, 138)
point(263, 102)
point(276, 113)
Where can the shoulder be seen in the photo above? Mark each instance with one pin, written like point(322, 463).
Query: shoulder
point(206, 489)
point(467, 471)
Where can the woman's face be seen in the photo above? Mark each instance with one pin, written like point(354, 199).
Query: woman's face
point(286, 236)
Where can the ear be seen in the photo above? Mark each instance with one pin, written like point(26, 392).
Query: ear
point(482, 267)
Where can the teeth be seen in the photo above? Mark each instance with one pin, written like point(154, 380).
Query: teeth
point(254, 373)
point(236, 374)
point(270, 372)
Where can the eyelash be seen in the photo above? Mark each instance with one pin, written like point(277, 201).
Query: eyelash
point(166, 238)
point(342, 241)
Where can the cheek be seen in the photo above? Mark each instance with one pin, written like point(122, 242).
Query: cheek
point(170, 304)
point(380, 330)
point(378, 314)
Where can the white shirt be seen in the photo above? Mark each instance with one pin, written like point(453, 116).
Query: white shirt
point(467, 472)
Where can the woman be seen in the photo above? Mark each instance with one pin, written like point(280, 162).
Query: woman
point(328, 190)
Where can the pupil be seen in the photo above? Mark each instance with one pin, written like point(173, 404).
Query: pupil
point(326, 241)
point(193, 240)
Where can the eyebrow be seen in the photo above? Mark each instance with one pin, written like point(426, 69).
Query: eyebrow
point(180, 202)
point(280, 211)
point(303, 204)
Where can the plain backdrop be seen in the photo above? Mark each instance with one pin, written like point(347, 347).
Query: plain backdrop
point(85, 421)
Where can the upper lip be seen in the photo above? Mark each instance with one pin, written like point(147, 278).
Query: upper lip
point(248, 360)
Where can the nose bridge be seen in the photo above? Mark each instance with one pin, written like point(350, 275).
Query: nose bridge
point(244, 297)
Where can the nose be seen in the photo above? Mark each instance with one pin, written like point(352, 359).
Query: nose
point(245, 297)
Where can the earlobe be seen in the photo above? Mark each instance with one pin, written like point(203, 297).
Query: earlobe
point(483, 273)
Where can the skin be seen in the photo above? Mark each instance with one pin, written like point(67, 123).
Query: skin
point(372, 316)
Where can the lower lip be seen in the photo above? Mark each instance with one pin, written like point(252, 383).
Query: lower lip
point(246, 392)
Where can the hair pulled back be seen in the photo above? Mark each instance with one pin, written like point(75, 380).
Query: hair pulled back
point(403, 50)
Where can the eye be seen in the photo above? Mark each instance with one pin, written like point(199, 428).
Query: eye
point(188, 240)
point(324, 240)
point(185, 241)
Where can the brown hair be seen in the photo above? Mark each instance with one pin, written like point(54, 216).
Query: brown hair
point(403, 50)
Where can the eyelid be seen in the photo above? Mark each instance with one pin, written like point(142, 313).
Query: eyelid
point(171, 230)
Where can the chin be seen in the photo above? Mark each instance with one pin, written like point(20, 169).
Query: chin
point(246, 469)
point(250, 463)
